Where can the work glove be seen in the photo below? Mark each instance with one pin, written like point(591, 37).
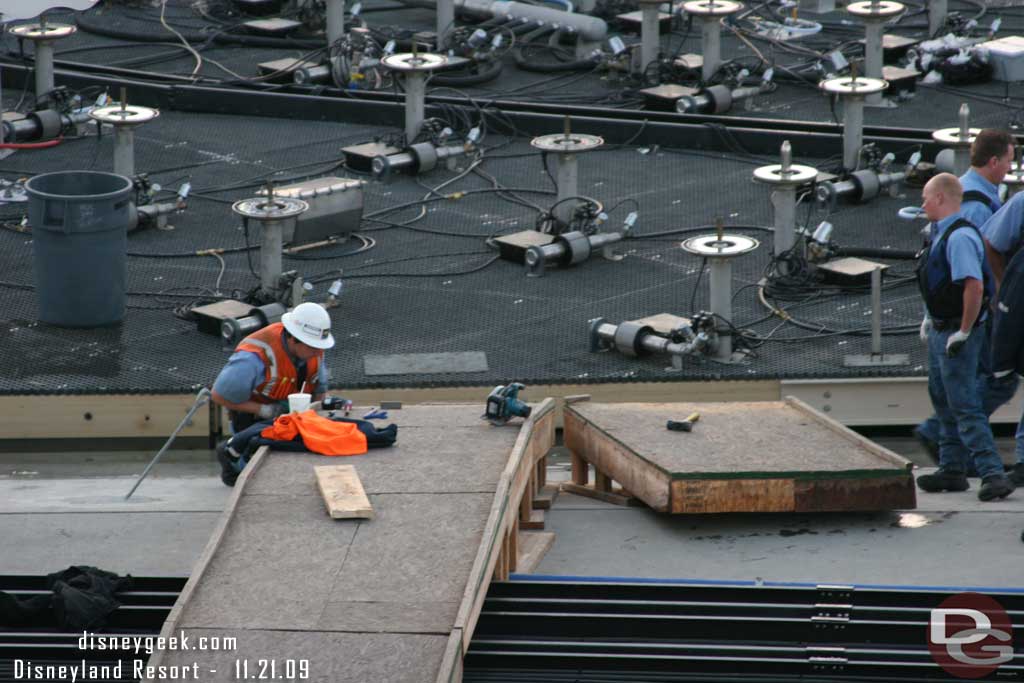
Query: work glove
point(270, 411)
point(956, 342)
point(926, 327)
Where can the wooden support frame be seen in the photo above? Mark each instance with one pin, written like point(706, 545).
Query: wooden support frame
point(497, 556)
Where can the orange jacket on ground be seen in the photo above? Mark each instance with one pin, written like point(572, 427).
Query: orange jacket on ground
point(320, 434)
point(281, 375)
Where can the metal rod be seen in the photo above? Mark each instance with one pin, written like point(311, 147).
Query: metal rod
point(202, 398)
point(650, 35)
point(721, 302)
point(873, 30)
point(445, 21)
point(335, 22)
point(937, 10)
point(853, 130)
point(415, 96)
point(876, 311)
point(271, 249)
point(568, 184)
point(711, 48)
point(784, 204)
point(124, 151)
point(44, 67)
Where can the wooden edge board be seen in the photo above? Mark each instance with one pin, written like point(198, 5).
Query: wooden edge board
point(849, 434)
point(170, 626)
point(342, 492)
point(451, 663)
point(498, 520)
point(533, 546)
point(796, 475)
point(613, 497)
point(616, 440)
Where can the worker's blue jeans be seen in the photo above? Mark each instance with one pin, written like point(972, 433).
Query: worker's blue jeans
point(996, 392)
point(953, 386)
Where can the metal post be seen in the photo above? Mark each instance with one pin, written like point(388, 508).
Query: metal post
point(650, 35)
point(445, 21)
point(876, 311)
point(335, 21)
point(44, 67)
point(937, 10)
point(711, 46)
point(873, 30)
point(721, 301)
point(124, 152)
point(568, 184)
point(784, 204)
point(415, 96)
point(271, 247)
point(853, 131)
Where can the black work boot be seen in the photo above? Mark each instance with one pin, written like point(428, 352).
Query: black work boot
point(1017, 474)
point(228, 462)
point(995, 486)
point(943, 480)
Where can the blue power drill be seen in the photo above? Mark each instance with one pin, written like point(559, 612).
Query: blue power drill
point(503, 404)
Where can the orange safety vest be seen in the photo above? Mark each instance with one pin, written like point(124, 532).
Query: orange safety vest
point(281, 375)
point(319, 434)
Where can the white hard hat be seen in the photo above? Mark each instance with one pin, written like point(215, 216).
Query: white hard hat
point(310, 324)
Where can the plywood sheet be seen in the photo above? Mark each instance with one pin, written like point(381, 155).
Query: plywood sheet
point(329, 657)
point(419, 548)
point(342, 492)
point(388, 617)
point(276, 562)
point(737, 440)
point(424, 460)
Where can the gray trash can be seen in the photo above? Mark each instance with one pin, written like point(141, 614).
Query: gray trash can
point(79, 225)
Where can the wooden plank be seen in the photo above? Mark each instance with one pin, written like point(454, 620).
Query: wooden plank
point(855, 495)
point(533, 546)
point(733, 440)
point(486, 564)
point(705, 496)
point(615, 392)
point(619, 462)
point(92, 417)
point(545, 497)
point(171, 623)
point(343, 492)
point(535, 521)
point(451, 663)
point(616, 496)
point(580, 469)
point(847, 433)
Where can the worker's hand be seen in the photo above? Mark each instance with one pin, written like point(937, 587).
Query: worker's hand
point(956, 342)
point(926, 327)
point(270, 411)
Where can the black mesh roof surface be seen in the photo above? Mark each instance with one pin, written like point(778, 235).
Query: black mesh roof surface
point(436, 285)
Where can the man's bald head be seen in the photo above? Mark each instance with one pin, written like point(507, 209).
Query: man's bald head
point(942, 196)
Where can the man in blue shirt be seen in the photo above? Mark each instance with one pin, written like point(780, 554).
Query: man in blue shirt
point(991, 156)
point(956, 282)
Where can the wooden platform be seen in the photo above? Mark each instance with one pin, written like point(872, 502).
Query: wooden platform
point(394, 598)
point(777, 456)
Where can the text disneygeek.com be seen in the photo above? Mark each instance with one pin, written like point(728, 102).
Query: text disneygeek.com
point(134, 653)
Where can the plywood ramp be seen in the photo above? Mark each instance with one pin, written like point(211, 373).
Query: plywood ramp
point(772, 456)
point(393, 598)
